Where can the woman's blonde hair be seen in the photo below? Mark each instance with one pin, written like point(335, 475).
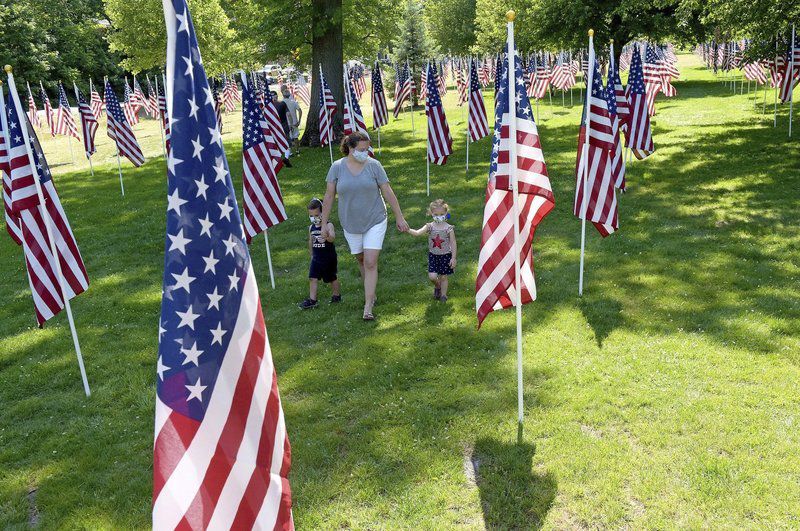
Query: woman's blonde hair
point(437, 204)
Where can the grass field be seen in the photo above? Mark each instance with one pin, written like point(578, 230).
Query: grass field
point(666, 397)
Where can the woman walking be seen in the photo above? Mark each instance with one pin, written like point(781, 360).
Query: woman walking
point(361, 184)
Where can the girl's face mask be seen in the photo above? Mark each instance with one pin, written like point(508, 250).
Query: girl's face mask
point(440, 218)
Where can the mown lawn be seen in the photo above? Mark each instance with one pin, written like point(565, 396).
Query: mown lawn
point(667, 396)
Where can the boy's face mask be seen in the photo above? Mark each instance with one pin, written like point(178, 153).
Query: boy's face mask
point(315, 219)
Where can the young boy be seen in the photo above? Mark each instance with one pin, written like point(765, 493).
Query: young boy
point(323, 257)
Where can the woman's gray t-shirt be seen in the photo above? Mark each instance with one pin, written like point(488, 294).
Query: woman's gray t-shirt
point(361, 205)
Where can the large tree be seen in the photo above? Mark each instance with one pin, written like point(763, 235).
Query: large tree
point(413, 44)
point(452, 24)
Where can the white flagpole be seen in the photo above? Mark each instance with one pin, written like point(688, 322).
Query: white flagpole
point(77, 99)
point(585, 154)
point(411, 99)
point(512, 174)
point(160, 121)
point(777, 86)
point(119, 166)
point(469, 102)
point(427, 143)
point(48, 226)
point(325, 107)
point(790, 74)
point(269, 258)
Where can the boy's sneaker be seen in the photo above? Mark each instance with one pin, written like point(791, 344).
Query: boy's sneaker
point(336, 298)
point(307, 304)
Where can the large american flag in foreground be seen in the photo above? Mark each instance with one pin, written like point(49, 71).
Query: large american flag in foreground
point(34, 218)
point(440, 143)
point(12, 221)
point(221, 454)
point(595, 197)
point(120, 131)
point(263, 202)
point(638, 137)
point(495, 287)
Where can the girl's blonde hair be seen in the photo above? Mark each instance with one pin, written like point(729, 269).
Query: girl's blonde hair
point(437, 204)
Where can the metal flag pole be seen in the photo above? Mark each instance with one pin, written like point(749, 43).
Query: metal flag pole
point(48, 222)
point(85, 140)
point(160, 120)
point(428, 142)
point(585, 155)
point(790, 74)
point(269, 257)
point(325, 108)
point(775, 113)
point(469, 102)
point(411, 99)
point(512, 174)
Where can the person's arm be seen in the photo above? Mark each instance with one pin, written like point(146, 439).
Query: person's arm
point(453, 248)
point(388, 193)
point(331, 233)
point(420, 231)
point(327, 202)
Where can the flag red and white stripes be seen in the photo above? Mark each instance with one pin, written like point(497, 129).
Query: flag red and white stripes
point(120, 131)
point(89, 123)
point(48, 110)
point(440, 143)
point(327, 108)
point(405, 86)
point(476, 122)
point(638, 137)
point(380, 111)
point(35, 219)
point(12, 220)
point(495, 287)
point(65, 122)
point(33, 114)
point(96, 101)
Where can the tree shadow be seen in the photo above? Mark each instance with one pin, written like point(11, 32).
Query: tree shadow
point(513, 496)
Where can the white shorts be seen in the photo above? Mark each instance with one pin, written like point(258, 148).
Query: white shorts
point(372, 239)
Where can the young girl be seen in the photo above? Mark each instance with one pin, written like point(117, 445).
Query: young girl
point(323, 256)
point(441, 247)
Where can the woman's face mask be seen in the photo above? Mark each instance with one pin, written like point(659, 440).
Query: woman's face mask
point(360, 156)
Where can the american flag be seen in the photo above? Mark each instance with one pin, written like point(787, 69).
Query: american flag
point(423, 82)
point(562, 77)
point(667, 72)
point(39, 222)
point(754, 71)
point(652, 78)
point(33, 113)
point(638, 137)
point(440, 144)
point(327, 108)
point(495, 287)
point(595, 197)
point(380, 111)
point(218, 108)
point(791, 70)
point(96, 102)
point(442, 84)
point(152, 100)
point(357, 78)
point(263, 202)
point(130, 105)
point(65, 122)
point(623, 103)
point(48, 110)
point(162, 110)
point(119, 130)
point(476, 123)
point(542, 80)
point(229, 94)
point(483, 74)
point(461, 85)
point(273, 130)
point(496, 70)
point(405, 82)
point(139, 97)
point(12, 221)
point(300, 91)
point(89, 123)
point(221, 455)
point(617, 154)
point(353, 119)
point(530, 76)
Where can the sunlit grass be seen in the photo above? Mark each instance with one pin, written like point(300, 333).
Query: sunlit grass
point(666, 397)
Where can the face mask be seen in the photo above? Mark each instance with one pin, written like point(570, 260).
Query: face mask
point(315, 219)
point(361, 156)
point(440, 218)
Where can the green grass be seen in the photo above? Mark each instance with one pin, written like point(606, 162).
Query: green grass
point(666, 397)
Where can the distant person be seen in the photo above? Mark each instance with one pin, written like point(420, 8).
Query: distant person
point(361, 185)
point(324, 262)
point(283, 115)
point(295, 115)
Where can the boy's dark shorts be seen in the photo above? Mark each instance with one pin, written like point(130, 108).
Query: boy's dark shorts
point(324, 270)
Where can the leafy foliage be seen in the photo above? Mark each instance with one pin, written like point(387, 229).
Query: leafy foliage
point(452, 24)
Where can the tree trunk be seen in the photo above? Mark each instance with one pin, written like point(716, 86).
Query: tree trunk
point(326, 50)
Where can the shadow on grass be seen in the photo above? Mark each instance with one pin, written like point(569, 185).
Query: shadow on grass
point(513, 496)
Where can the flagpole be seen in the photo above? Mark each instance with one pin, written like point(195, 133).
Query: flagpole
point(427, 142)
point(775, 114)
point(77, 99)
point(469, 102)
point(269, 257)
point(790, 75)
point(325, 107)
point(585, 155)
point(48, 226)
point(160, 120)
